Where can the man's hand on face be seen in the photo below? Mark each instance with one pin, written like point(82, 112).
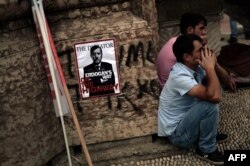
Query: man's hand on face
point(208, 58)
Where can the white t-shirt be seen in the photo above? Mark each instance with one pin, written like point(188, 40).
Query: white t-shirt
point(174, 100)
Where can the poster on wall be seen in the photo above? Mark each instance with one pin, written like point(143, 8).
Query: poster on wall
point(97, 68)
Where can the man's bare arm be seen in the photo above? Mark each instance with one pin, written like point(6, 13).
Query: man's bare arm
point(211, 92)
point(224, 77)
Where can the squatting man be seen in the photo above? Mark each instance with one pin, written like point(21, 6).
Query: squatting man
point(188, 109)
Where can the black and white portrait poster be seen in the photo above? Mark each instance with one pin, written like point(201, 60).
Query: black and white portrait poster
point(97, 68)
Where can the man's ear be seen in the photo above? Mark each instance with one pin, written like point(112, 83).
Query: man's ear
point(186, 57)
point(190, 30)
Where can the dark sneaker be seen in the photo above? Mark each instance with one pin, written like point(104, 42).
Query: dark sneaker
point(216, 157)
point(220, 137)
point(232, 40)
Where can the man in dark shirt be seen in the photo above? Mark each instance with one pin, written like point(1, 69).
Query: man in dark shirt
point(99, 76)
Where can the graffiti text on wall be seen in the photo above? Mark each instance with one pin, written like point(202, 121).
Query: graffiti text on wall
point(144, 87)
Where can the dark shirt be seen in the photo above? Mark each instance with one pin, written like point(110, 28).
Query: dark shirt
point(100, 79)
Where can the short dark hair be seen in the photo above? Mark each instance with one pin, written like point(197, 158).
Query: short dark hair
point(94, 48)
point(184, 44)
point(191, 19)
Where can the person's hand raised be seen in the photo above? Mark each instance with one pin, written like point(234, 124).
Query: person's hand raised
point(208, 58)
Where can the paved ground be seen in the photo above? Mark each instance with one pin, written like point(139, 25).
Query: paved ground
point(234, 120)
point(145, 151)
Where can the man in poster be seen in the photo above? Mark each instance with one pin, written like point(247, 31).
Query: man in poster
point(99, 77)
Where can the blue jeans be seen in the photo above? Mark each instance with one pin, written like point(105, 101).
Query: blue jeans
point(233, 27)
point(198, 126)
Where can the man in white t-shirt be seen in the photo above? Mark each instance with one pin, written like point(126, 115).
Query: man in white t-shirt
point(188, 111)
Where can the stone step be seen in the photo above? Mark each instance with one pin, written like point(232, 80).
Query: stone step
point(128, 151)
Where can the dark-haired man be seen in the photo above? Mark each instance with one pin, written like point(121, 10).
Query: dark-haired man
point(99, 77)
point(188, 110)
point(190, 23)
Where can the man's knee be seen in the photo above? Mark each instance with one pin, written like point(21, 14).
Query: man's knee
point(209, 107)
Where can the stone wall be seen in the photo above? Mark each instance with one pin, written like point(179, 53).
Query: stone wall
point(171, 11)
point(133, 113)
point(30, 133)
